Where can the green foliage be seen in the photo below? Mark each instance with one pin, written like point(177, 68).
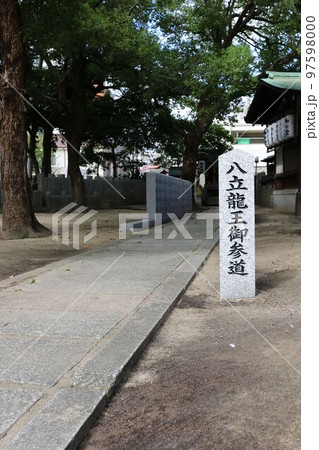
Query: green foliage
point(221, 44)
point(158, 58)
point(216, 141)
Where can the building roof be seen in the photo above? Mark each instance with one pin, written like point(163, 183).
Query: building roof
point(264, 105)
point(284, 80)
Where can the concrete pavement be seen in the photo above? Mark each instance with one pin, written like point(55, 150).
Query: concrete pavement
point(71, 330)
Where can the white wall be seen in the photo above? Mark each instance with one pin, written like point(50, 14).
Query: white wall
point(60, 159)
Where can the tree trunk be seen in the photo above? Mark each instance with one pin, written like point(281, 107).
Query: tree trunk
point(18, 221)
point(47, 146)
point(114, 162)
point(31, 151)
point(190, 157)
point(193, 138)
point(75, 129)
point(74, 172)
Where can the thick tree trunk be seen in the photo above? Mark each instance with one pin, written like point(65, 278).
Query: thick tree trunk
point(74, 172)
point(192, 142)
point(75, 131)
point(190, 157)
point(194, 136)
point(18, 221)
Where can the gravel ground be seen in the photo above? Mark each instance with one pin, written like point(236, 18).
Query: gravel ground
point(210, 379)
point(21, 255)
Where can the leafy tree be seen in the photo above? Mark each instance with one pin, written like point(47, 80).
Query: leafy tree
point(118, 121)
point(86, 43)
point(157, 57)
point(132, 124)
point(18, 221)
point(217, 140)
point(216, 47)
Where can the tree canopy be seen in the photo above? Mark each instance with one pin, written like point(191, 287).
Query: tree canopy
point(168, 70)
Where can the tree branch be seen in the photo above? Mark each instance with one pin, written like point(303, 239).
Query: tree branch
point(289, 57)
point(248, 41)
point(244, 17)
point(55, 100)
point(258, 33)
point(262, 19)
point(51, 67)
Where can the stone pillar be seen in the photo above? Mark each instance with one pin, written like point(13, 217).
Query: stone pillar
point(237, 225)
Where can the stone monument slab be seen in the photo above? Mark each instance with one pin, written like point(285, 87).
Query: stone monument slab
point(165, 194)
point(237, 225)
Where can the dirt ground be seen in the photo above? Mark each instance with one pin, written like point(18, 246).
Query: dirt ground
point(209, 380)
point(21, 255)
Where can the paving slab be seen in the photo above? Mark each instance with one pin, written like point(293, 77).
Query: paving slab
point(70, 324)
point(97, 303)
point(14, 403)
point(57, 424)
point(18, 299)
point(43, 362)
point(107, 365)
point(69, 332)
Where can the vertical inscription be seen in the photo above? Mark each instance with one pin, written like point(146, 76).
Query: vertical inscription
point(237, 233)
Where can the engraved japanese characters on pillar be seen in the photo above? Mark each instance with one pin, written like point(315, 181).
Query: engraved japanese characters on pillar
point(237, 225)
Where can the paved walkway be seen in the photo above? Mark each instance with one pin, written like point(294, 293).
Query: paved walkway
point(71, 330)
